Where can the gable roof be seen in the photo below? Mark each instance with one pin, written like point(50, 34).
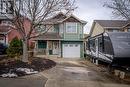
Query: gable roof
point(81, 21)
point(55, 19)
point(111, 23)
point(127, 24)
point(60, 17)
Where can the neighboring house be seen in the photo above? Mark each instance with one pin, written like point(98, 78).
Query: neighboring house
point(8, 31)
point(100, 26)
point(64, 37)
point(6, 34)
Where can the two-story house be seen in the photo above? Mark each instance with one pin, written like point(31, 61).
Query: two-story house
point(100, 26)
point(64, 37)
point(8, 30)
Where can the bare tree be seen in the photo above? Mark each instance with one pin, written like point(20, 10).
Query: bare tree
point(36, 11)
point(121, 8)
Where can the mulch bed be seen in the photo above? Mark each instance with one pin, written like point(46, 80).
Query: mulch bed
point(36, 64)
point(42, 64)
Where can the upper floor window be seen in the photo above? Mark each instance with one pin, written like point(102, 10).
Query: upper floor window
point(71, 27)
point(6, 7)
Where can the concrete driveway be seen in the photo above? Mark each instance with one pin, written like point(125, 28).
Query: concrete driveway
point(70, 73)
point(67, 73)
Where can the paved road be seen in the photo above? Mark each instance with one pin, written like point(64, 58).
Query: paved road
point(72, 74)
point(5, 82)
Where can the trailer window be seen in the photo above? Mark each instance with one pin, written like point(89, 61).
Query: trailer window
point(101, 45)
point(108, 49)
point(87, 45)
point(92, 44)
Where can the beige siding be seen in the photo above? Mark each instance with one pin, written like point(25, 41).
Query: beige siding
point(97, 30)
point(125, 30)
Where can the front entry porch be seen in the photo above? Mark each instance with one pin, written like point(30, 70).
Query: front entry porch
point(53, 47)
point(48, 47)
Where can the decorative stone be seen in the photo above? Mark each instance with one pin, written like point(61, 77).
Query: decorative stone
point(122, 75)
point(116, 72)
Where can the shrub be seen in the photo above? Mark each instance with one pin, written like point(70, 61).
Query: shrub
point(15, 48)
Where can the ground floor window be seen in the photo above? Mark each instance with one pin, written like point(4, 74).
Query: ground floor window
point(42, 44)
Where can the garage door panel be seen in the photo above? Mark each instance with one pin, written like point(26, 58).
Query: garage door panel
point(71, 50)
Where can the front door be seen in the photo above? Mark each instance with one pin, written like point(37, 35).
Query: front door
point(55, 47)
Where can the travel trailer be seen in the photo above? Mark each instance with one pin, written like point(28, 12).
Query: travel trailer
point(112, 47)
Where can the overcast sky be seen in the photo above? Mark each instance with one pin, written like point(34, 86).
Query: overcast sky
point(90, 10)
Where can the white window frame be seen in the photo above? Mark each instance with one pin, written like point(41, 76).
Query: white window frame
point(72, 25)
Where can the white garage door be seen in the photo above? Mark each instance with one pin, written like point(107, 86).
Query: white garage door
point(71, 50)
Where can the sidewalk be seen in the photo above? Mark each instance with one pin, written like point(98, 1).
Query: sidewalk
point(16, 82)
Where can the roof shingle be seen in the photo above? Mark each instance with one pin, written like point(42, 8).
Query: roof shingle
point(49, 36)
point(112, 23)
point(59, 18)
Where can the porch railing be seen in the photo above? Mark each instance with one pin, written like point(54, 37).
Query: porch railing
point(41, 51)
